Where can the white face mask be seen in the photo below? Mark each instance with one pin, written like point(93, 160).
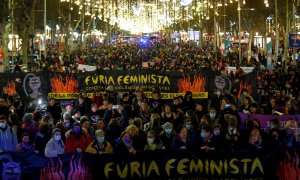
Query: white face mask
point(212, 115)
point(2, 125)
point(57, 137)
point(150, 140)
point(218, 93)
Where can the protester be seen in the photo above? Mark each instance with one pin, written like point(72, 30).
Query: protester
point(100, 145)
point(26, 144)
point(42, 137)
point(167, 135)
point(181, 141)
point(124, 147)
point(29, 126)
point(206, 144)
point(55, 146)
point(54, 109)
point(85, 123)
point(128, 123)
point(153, 142)
point(77, 139)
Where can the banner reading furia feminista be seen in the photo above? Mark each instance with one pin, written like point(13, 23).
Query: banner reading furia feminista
point(149, 165)
point(171, 84)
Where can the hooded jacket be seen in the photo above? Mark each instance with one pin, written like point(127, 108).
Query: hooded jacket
point(54, 148)
point(73, 141)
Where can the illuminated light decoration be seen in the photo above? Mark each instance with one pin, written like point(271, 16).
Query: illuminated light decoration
point(185, 2)
point(141, 16)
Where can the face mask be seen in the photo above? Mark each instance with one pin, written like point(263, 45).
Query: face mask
point(232, 131)
point(218, 93)
point(217, 132)
point(189, 126)
point(101, 139)
point(2, 125)
point(272, 126)
point(127, 139)
point(244, 93)
point(57, 137)
point(202, 134)
point(67, 124)
point(76, 131)
point(50, 123)
point(150, 140)
point(168, 131)
point(212, 115)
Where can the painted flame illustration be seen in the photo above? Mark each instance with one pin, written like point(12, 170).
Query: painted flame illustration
point(245, 86)
point(78, 171)
point(58, 86)
point(288, 168)
point(11, 88)
point(198, 85)
point(51, 172)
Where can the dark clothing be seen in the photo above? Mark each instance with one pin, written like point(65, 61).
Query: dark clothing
point(40, 142)
point(55, 111)
point(121, 150)
point(82, 108)
point(167, 140)
point(139, 141)
point(88, 102)
point(177, 143)
point(112, 134)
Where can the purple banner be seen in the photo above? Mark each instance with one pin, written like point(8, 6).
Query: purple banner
point(265, 119)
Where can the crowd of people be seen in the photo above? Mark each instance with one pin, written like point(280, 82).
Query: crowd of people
point(129, 123)
point(159, 55)
point(133, 123)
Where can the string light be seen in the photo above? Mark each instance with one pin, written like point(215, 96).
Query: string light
point(144, 15)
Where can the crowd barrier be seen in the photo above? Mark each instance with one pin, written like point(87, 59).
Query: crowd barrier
point(153, 165)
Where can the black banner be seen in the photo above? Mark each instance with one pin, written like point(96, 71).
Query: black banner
point(151, 165)
point(66, 86)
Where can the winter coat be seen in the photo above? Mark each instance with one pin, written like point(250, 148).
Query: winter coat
point(8, 139)
point(72, 141)
point(94, 148)
point(54, 148)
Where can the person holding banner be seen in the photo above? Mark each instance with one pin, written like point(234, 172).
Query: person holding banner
point(100, 145)
point(167, 135)
point(55, 146)
point(77, 139)
point(153, 143)
point(181, 141)
point(124, 147)
point(206, 144)
point(138, 137)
